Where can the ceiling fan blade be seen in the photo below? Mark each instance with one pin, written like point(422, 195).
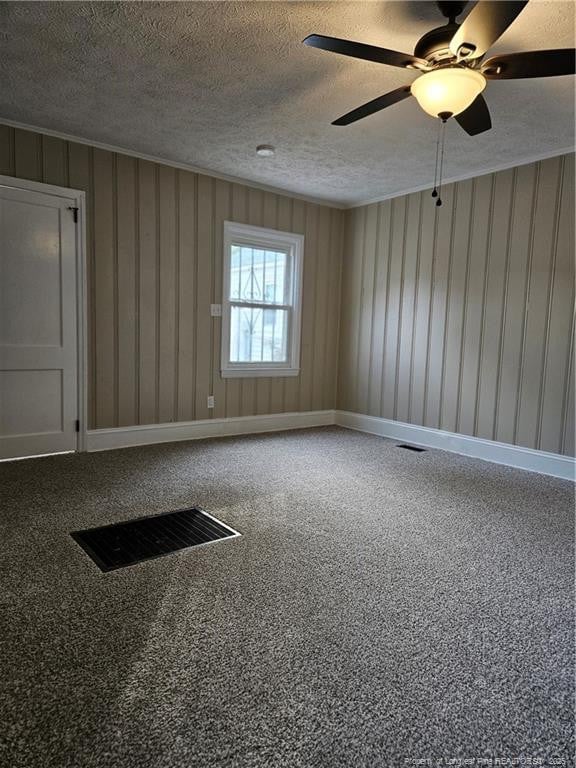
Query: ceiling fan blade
point(483, 26)
point(366, 52)
point(475, 119)
point(561, 61)
point(374, 106)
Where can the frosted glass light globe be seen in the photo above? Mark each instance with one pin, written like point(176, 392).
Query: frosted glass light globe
point(451, 89)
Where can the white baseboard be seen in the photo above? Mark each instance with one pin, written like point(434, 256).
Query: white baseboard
point(124, 437)
point(489, 450)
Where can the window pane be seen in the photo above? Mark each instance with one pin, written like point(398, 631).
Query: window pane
point(258, 275)
point(258, 335)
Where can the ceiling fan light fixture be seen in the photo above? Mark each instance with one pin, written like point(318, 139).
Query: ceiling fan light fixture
point(448, 90)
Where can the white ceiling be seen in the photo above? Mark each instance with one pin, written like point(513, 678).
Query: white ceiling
point(203, 83)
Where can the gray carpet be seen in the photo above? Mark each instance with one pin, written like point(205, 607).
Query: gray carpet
point(381, 608)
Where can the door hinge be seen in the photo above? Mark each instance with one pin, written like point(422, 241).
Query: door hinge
point(77, 425)
point(74, 213)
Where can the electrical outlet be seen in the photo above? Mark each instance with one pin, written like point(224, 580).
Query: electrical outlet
point(210, 401)
point(216, 310)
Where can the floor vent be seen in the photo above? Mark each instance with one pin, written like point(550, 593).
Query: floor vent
point(411, 448)
point(122, 544)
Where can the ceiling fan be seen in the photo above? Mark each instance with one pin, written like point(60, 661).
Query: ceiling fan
point(450, 59)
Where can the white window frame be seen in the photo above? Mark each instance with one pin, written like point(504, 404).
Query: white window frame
point(272, 239)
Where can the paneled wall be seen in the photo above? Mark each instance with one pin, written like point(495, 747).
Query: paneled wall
point(462, 317)
point(459, 317)
point(154, 238)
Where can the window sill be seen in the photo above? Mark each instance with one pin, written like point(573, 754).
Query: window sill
point(260, 372)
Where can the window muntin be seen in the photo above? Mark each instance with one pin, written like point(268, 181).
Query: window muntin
point(261, 307)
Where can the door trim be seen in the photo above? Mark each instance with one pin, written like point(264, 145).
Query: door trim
point(77, 200)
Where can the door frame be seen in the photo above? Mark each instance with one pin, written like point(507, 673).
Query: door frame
point(77, 200)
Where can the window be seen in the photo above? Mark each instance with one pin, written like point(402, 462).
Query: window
point(261, 303)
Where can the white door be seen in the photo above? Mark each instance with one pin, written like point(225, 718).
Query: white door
point(38, 324)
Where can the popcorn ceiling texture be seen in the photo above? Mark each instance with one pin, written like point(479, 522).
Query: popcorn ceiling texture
point(204, 83)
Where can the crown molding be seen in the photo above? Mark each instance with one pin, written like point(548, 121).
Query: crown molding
point(278, 190)
point(465, 176)
point(171, 163)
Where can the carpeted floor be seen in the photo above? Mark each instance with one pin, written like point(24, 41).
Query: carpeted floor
point(381, 608)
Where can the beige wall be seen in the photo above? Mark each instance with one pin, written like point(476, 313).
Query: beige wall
point(462, 317)
point(154, 237)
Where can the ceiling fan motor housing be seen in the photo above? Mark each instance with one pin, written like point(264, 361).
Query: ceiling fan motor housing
point(434, 46)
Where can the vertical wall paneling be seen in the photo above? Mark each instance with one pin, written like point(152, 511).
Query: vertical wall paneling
point(453, 331)
point(422, 310)
point(380, 289)
point(459, 317)
point(346, 347)
point(126, 277)
point(493, 304)
point(334, 325)
point(568, 428)
point(7, 160)
point(27, 155)
point(556, 372)
point(186, 295)
point(355, 298)
point(283, 223)
point(219, 385)
point(167, 294)
point(442, 259)
point(148, 311)
point(292, 383)
point(203, 322)
point(54, 161)
point(105, 288)
point(469, 308)
point(543, 246)
point(308, 305)
point(320, 351)
point(81, 176)
point(154, 266)
point(474, 307)
point(366, 304)
point(515, 302)
point(406, 317)
point(387, 234)
point(395, 275)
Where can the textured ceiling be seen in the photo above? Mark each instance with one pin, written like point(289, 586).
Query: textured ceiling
point(205, 82)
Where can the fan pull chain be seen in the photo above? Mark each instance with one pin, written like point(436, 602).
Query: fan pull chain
point(442, 142)
point(435, 190)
